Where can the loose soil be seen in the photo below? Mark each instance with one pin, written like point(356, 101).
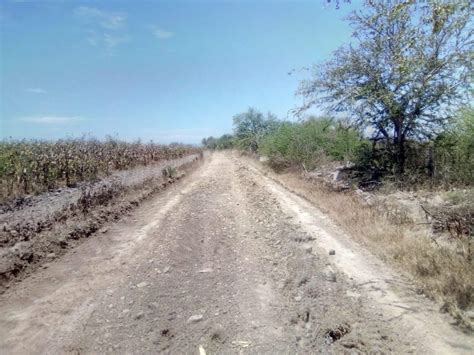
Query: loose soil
point(224, 261)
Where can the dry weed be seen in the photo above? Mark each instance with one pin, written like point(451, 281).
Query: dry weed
point(439, 271)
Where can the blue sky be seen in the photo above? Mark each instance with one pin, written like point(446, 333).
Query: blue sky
point(161, 70)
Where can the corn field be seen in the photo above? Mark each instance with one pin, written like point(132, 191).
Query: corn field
point(33, 166)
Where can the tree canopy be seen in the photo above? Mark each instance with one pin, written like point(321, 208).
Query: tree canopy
point(409, 65)
point(250, 127)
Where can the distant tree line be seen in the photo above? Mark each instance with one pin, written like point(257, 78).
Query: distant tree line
point(225, 141)
point(311, 142)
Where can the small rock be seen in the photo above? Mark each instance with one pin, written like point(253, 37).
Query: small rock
point(166, 270)
point(142, 284)
point(332, 252)
point(153, 305)
point(104, 230)
point(308, 248)
point(139, 315)
point(303, 280)
point(62, 242)
point(330, 275)
point(298, 298)
point(22, 249)
point(51, 255)
point(241, 343)
point(195, 318)
point(205, 270)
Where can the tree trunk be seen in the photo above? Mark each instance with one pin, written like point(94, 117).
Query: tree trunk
point(430, 167)
point(400, 157)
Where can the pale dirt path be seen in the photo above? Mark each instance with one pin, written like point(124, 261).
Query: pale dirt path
point(385, 288)
point(222, 244)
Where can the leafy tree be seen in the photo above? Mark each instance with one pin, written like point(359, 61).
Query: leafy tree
point(410, 64)
point(226, 141)
point(209, 142)
point(250, 127)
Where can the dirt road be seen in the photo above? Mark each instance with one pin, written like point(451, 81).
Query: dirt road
point(225, 261)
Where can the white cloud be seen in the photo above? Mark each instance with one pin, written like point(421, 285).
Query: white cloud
point(113, 41)
point(107, 20)
point(161, 33)
point(106, 40)
point(37, 91)
point(92, 38)
point(51, 119)
point(104, 27)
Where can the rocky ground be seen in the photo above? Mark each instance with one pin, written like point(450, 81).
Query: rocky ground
point(225, 261)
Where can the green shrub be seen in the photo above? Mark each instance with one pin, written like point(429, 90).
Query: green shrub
point(311, 142)
point(454, 152)
point(279, 143)
point(169, 172)
point(447, 160)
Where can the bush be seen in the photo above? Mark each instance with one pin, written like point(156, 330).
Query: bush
point(454, 152)
point(311, 142)
point(169, 172)
point(277, 146)
point(448, 160)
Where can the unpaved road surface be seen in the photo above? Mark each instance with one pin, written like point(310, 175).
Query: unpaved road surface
point(225, 261)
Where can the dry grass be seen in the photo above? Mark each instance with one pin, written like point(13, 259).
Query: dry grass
point(438, 270)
